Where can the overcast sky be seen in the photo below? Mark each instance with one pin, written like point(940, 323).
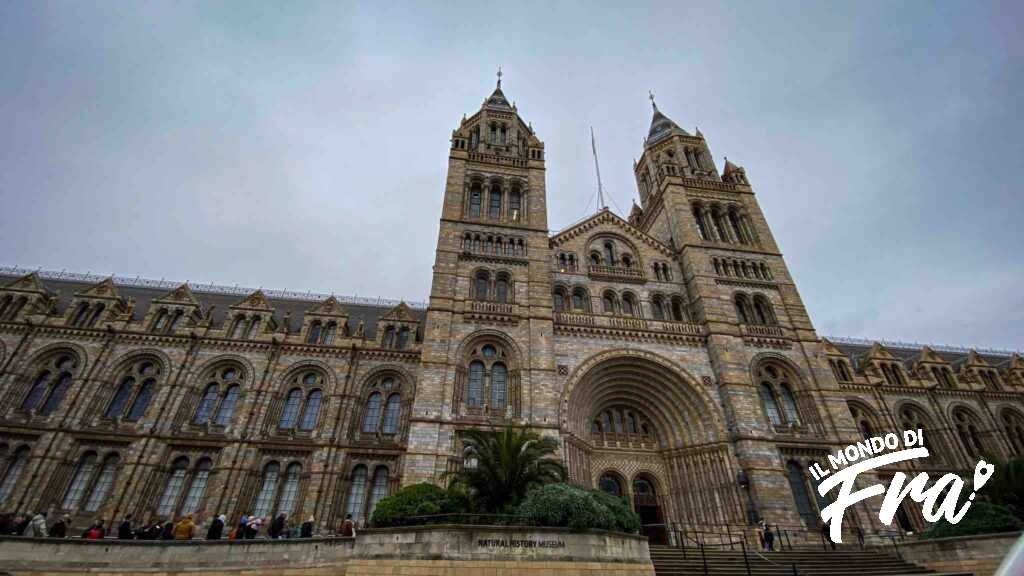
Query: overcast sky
point(303, 146)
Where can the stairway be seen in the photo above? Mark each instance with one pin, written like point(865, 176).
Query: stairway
point(846, 561)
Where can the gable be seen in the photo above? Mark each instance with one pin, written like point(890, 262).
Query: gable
point(399, 313)
point(607, 221)
point(255, 301)
point(180, 295)
point(329, 307)
point(104, 289)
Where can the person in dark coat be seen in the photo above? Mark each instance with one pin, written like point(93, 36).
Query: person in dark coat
point(124, 530)
point(60, 528)
point(6, 523)
point(216, 528)
point(20, 524)
point(307, 529)
point(168, 531)
point(277, 526)
point(348, 527)
point(769, 538)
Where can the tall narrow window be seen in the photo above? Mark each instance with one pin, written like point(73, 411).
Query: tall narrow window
point(515, 204)
point(501, 289)
point(96, 314)
point(15, 466)
point(161, 319)
point(254, 328)
point(658, 308)
point(290, 412)
point(83, 474)
point(311, 412)
point(608, 302)
point(628, 305)
point(579, 300)
point(702, 229)
point(475, 200)
point(290, 490)
point(104, 482)
point(80, 314)
point(197, 488)
point(238, 327)
point(403, 338)
point(314, 333)
point(371, 417)
point(56, 394)
point(797, 485)
point(268, 490)
point(558, 299)
point(677, 310)
point(609, 253)
point(227, 406)
point(495, 211)
point(172, 489)
point(789, 404)
point(357, 493)
point(734, 223)
point(329, 333)
point(39, 388)
point(499, 386)
point(178, 315)
point(379, 490)
point(771, 408)
point(389, 337)
point(142, 400)
point(391, 413)
point(474, 397)
point(483, 279)
point(203, 412)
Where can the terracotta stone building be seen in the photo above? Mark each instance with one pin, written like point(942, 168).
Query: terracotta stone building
point(670, 353)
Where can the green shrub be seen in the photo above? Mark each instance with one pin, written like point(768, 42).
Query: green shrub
point(565, 505)
point(417, 500)
point(981, 518)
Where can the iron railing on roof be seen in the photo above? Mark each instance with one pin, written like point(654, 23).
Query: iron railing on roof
point(17, 271)
point(918, 345)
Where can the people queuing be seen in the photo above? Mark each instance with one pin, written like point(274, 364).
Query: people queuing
point(248, 527)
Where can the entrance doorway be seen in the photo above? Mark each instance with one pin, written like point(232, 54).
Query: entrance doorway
point(645, 502)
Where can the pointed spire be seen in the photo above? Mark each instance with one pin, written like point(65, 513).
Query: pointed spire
point(497, 98)
point(661, 125)
point(653, 103)
point(729, 167)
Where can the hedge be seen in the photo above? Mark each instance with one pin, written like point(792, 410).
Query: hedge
point(565, 505)
point(417, 500)
point(981, 518)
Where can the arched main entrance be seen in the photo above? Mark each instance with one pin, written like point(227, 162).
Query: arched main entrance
point(641, 414)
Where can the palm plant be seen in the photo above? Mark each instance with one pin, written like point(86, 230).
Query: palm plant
point(503, 465)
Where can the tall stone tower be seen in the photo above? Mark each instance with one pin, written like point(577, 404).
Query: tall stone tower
point(487, 355)
point(742, 293)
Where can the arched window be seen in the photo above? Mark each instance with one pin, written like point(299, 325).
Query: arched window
point(254, 327)
point(515, 204)
point(83, 476)
point(172, 489)
point(237, 327)
point(609, 253)
point(290, 412)
point(716, 219)
point(81, 313)
point(56, 394)
point(580, 301)
point(290, 489)
point(196, 490)
point(332, 328)
point(121, 398)
point(389, 337)
point(734, 222)
point(475, 200)
point(142, 400)
point(203, 412)
point(178, 315)
point(356, 493)
point(1013, 424)
point(12, 472)
point(860, 418)
point(658, 308)
point(379, 489)
point(495, 209)
point(595, 259)
point(628, 305)
point(789, 404)
point(96, 314)
point(677, 310)
point(483, 280)
point(403, 338)
point(476, 384)
point(371, 416)
point(104, 481)
point(771, 407)
point(37, 391)
point(610, 484)
point(501, 289)
point(967, 429)
point(4, 304)
point(627, 261)
point(499, 386)
point(798, 486)
point(392, 410)
point(742, 306)
point(558, 299)
point(763, 311)
point(314, 333)
point(311, 411)
point(608, 301)
point(268, 490)
point(227, 406)
point(161, 319)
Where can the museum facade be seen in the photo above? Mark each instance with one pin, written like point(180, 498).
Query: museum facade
point(669, 352)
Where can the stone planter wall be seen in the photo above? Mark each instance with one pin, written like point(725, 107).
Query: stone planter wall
point(434, 550)
point(981, 555)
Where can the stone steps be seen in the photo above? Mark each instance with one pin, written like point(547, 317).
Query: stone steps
point(845, 561)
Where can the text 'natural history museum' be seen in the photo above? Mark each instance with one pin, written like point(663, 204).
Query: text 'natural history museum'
point(670, 353)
